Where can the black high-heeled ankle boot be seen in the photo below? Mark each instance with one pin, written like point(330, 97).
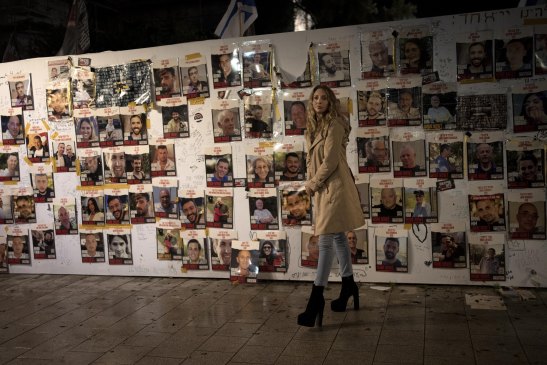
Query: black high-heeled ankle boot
point(349, 288)
point(314, 309)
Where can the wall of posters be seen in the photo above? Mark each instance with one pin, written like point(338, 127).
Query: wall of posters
point(104, 168)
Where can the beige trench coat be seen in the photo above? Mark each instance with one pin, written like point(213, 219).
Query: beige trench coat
point(337, 207)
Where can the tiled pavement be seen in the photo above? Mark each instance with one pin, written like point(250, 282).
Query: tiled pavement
point(71, 319)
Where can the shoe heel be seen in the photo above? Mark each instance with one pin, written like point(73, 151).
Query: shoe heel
point(319, 319)
point(356, 301)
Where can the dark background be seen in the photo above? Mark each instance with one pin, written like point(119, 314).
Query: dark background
point(37, 27)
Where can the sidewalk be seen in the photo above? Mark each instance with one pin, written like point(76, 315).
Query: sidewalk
point(70, 319)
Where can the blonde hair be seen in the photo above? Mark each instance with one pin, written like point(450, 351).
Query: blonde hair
point(263, 159)
point(319, 123)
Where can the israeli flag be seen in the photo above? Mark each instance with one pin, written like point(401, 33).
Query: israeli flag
point(237, 19)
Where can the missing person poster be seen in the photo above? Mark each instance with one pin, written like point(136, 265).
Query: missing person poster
point(263, 208)
point(372, 103)
point(196, 250)
point(487, 207)
point(245, 266)
point(391, 249)
point(221, 248)
point(387, 200)
point(487, 257)
point(527, 214)
point(449, 245)
point(273, 251)
point(421, 202)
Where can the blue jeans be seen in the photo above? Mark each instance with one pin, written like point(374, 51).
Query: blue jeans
point(328, 242)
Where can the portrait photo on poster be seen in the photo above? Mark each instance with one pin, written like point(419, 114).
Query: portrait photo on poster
point(372, 107)
point(374, 154)
point(92, 247)
point(141, 207)
point(110, 130)
point(296, 207)
point(93, 210)
point(195, 81)
point(13, 127)
point(439, 110)
point(221, 254)
point(358, 245)
point(391, 254)
point(87, 132)
point(117, 208)
point(527, 219)
point(9, 166)
point(475, 60)
point(38, 146)
point(487, 213)
point(165, 201)
point(175, 121)
point(43, 243)
point(446, 160)
point(24, 208)
point(91, 168)
point(525, 169)
point(192, 212)
point(114, 168)
point(514, 57)
point(529, 110)
point(260, 171)
point(449, 249)
point(387, 205)
point(18, 249)
point(485, 160)
point(486, 261)
point(163, 160)
point(169, 244)
point(134, 127)
point(138, 166)
point(196, 253)
point(290, 165)
point(295, 114)
point(226, 69)
point(226, 125)
point(273, 255)
point(377, 59)
point(119, 248)
point(167, 82)
point(264, 212)
point(21, 92)
point(416, 55)
point(219, 170)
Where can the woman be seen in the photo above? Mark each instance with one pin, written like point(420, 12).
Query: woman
point(261, 169)
point(220, 211)
point(415, 56)
point(337, 207)
point(86, 131)
point(268, 252)
point(534, 108)
point(93, 212)
point(118, 247)
point(527, 167)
